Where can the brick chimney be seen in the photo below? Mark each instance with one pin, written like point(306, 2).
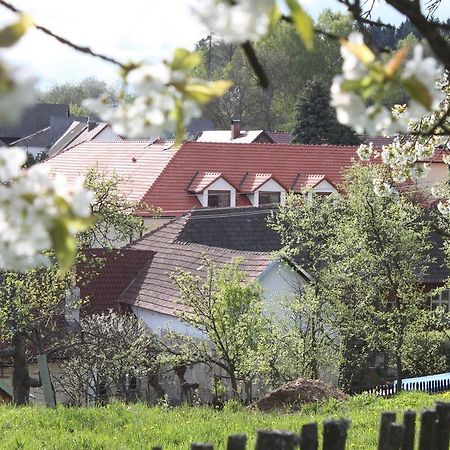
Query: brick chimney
point(235, 128)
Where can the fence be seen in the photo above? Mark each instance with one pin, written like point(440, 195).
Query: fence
point(389, 390)
point(434, 434)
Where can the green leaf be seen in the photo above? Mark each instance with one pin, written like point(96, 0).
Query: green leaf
point(361, 51)
point(10, 34)
point(303, 23)
point(64, 244)
point(274, 16)
point(418, 91)
point(185, 60)
point(179, 120)
point(351, 85)
point(204, 92)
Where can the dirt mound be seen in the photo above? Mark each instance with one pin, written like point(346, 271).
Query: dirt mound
point(296, 393)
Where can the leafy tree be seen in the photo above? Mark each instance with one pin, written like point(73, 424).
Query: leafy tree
point(73, 94)
point(114, 348)
point(316, 119)
point(30, 302)
point(366, 254)
point(229, 312)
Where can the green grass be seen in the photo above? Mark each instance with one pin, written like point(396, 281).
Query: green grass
point(121, 426)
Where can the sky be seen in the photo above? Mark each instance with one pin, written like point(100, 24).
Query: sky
point(139, 30)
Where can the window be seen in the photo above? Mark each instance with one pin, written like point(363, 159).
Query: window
point(322, 194)
point(269, 198)
point(442, 299)
point(219, 199)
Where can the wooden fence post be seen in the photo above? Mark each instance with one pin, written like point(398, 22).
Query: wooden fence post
point(335, 434)
point(442, 426)
point(383, 437)
point(427, 430)
point(274, 439)
point(409, 425)
point(395, 436)
point(197, 446)
point(308, 438)
point(237, 442)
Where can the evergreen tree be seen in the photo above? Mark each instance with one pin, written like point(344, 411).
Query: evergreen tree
point(316, 119)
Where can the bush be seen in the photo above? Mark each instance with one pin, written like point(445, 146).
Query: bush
point(425, 353)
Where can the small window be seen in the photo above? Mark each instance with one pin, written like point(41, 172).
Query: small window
point(322, 194)
point(269, 198)
point(442, 299)
point(219, 199)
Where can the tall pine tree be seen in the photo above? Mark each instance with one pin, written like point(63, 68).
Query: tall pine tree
point(316, 119)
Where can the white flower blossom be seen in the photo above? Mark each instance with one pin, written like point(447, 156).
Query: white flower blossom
point(30, 206)
point(358, 78)
point(238, 21)
point(365, 151)
point(383, 189)
point(444, 207)
point(352, 68)
point(153, 111)
point(17, 91)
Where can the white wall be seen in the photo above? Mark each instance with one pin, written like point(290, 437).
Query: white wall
point(279, 281)
point(159, 322)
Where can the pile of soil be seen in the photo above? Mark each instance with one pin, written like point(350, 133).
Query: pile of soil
point(296, 393)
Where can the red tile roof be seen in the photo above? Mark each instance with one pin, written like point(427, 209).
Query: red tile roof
point(112, 278)
point(233, 161)
point(138, 163)
point(377, 141)
point(154, 289)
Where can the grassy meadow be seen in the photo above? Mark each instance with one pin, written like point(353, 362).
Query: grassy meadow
point(120, 426)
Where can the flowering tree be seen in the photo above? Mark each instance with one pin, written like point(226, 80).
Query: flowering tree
point(114, 347)
point(166, 97)
point(228, 310)
point(31, 302)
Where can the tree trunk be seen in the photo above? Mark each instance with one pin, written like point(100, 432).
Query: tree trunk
point(21, 376)
point(399, 364)
point(155, 384)
point(234, 386)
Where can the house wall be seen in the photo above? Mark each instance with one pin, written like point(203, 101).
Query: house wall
point(438, 172)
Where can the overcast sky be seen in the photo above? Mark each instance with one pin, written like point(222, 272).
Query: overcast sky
point(137, 30)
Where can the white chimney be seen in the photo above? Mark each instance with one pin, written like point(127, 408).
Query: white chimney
point(235, 128)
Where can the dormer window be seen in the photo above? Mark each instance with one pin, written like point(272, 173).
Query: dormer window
point(269, 198)
point(312, 184)
point(219, 199)
point(262, 189)
point(212, 190)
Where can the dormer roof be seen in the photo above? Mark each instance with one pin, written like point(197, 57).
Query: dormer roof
point(251, 182)
point(202, 180)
